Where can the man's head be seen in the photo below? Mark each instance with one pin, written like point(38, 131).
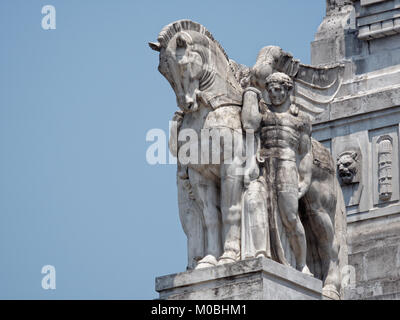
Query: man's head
point(279, 87)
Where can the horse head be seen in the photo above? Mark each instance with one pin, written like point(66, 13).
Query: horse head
point(196, 66)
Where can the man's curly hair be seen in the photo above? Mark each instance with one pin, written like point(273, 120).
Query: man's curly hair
point(280, 78)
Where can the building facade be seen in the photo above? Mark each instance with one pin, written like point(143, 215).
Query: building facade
point(361, 128)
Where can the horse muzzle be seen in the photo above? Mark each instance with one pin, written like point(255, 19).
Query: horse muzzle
point(188, 104)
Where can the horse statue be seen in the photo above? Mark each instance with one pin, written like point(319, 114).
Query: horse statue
point(210, 98)
point(209, 89)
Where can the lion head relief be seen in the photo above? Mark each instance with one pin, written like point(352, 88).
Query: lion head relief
point(348, 164)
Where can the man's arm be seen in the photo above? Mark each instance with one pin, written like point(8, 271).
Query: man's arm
point(251, 120)
point(305, 164)
point(251, 117)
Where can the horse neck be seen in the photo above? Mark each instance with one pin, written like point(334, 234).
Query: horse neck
point(220, 86)
point(195, 120)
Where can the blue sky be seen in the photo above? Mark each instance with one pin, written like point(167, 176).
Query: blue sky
point(76, 103)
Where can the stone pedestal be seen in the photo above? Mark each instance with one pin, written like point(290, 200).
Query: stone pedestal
point(255, 279)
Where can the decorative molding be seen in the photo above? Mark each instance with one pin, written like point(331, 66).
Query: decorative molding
point(378, 19)
point(379, 29)
point(369, 2)
point(385, 166)
point(385, 162)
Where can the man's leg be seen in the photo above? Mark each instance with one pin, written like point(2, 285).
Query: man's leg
point(288, 204)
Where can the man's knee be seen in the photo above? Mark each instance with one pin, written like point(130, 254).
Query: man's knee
point(288, 206)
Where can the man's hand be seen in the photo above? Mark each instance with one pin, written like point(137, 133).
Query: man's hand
point(252, 173)
point(303, 188)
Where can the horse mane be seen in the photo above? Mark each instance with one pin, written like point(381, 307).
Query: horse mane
point(169, 31)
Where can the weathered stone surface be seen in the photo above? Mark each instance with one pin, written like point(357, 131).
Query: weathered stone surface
point(281, 200)
point(254, 279)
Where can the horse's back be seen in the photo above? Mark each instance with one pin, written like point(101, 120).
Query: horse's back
point(224, 117)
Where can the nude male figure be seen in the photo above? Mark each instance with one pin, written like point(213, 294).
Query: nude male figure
point(284, 155)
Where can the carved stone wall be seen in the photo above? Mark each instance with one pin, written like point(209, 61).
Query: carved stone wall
point(364, 118)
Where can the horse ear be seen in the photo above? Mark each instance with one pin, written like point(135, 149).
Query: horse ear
point(155, 46)
point(181, 42)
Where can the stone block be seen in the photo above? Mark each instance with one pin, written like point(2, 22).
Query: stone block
point(381, 262)
point(253, 279)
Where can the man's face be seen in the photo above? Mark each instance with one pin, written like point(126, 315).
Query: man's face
point(277, 93)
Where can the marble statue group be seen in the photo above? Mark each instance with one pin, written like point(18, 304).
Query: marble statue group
point(277, 194)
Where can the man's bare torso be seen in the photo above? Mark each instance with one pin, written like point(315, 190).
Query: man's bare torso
point(280, 134)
